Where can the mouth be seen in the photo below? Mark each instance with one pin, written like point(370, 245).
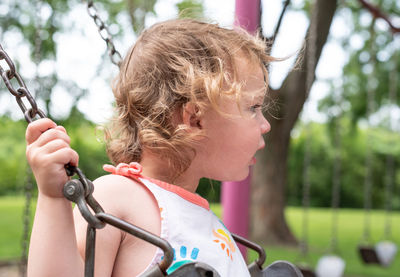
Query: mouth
point(254, 160)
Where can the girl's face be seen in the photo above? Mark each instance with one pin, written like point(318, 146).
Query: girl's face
point(233, 140)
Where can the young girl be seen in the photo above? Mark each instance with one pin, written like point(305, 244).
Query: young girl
point(189, 100)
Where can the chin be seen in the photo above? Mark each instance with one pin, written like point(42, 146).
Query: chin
point(240, 177)
point(235, 176)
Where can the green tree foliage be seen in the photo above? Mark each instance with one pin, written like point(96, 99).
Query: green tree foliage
point(373, 57)
point(37, 24)
point(353, 171)
point(190, 9)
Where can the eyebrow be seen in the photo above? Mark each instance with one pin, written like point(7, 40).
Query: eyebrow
point(257, 96)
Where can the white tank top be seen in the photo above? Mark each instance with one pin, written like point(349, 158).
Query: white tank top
point(188, 224)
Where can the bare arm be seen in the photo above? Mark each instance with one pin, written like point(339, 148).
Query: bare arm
point(58, 237)
point(53, 248)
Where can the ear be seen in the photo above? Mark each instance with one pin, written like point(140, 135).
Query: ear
point(191, 116)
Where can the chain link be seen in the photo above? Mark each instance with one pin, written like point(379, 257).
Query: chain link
point(336, 182)
point(311, 46)
point(369, 156)
point(22, 91)
point(33, 111)
point(26, 221)
point(115, 56)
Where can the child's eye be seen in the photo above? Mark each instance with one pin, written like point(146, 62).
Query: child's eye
point(255, 107)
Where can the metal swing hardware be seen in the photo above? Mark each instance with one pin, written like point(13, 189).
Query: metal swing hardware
point(276, 269)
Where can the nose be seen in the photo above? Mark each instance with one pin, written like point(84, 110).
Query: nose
point(265, 126)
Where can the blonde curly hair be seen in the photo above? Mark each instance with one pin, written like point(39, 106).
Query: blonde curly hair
point(174, 63)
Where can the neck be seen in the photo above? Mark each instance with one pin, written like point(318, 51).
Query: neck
point(155, 168)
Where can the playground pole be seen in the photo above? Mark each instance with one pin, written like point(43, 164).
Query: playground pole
point(235, 196)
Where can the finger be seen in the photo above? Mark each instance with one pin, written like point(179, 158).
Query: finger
point(61, 128)
point(65, 156)
point(50, 135)
point(36, 128)
point(54, 145)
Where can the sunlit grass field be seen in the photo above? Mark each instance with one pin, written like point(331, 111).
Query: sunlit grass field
point(350, 230)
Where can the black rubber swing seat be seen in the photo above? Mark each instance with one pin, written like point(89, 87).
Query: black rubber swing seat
point(383, 253)
point(368, 254)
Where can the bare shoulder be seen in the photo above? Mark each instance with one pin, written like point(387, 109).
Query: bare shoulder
point(124, 197)
point(116, 252)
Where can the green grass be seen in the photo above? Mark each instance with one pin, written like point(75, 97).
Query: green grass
point(11, 227)
point(350, 231)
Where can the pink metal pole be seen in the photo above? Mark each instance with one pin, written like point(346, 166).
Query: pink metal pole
point(236, 195)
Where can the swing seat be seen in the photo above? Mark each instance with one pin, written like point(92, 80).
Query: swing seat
point(330, 266)
point(382, 254)
point(276, 269)
point(368, 254)
point(386, 251)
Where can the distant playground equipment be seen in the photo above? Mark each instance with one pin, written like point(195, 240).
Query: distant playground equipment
point(331, 264)
point(383, 252)
point(303, 262)
point(80, 190)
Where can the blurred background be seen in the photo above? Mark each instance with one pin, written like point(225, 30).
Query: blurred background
point(327, 181)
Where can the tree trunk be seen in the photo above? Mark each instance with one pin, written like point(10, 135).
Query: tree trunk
point(268, 224)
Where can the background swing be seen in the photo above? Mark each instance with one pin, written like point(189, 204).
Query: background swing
point(303, 262)
point(331, 264)
point(383, 252)
point(28, 184)
point(80, 190)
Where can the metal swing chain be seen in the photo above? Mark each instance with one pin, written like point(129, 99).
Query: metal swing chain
point(32, 111)
point(26, 221)
point(115, 56)
point(22, 91)
point(369, 155)
point(390, 163)
point(310, 75)
point(336, 183)
point(28, 187)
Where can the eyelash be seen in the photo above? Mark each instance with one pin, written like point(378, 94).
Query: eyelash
point(255, 107)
